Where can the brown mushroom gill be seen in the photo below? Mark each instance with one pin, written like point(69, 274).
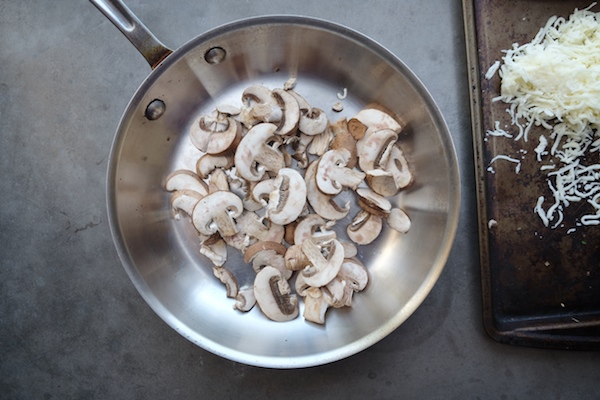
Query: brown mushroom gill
point(282, 299)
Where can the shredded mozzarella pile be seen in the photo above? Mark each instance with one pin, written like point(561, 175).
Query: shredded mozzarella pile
point(554, 82)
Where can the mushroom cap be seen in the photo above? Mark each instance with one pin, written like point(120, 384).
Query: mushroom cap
point(273, 295)
point(215, 213)
point(254, 155)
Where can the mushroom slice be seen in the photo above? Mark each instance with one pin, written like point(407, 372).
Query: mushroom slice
point(374, 149)
point(261, 254)
point(350, 249)
point(315, 306)
point(320, 143)
point(337, 293)
point(354, 273)
point(333, 175)
point(291, 112)
point(260, 106)
point(216, 252)
point(255, 153)
point(399, 168)
point(245, 299)
point(262, 190)
point(313, 121)
point(322, 269)
point(343, 139)
point(295, 259)
point(184, 179)
point(364, 228)
point(216, 212)
point(260, 228)
point(313, 226)
point(322, 203)
point(377, 119)
point(218, 181)
point(273, 295)
point(184, 200)
point(215, 134)
point(373, 203)
point(399, 220)
point(287, 201)
point(228, 279)
point(209, 162)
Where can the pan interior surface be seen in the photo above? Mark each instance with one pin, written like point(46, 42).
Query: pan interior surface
point(160, 252)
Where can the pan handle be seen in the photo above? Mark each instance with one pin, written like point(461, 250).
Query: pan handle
point(128, 23)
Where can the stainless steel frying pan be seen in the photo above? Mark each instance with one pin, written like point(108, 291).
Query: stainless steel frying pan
point(161, 254)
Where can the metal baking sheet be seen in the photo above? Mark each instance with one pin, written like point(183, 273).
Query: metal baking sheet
point(541, 286)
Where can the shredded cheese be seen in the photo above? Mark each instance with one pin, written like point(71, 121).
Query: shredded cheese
point(554, 82)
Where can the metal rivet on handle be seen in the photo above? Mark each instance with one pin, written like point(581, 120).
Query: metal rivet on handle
point(215, 55)
point(155, 109)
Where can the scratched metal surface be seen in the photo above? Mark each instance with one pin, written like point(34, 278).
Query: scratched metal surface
point(541, 286)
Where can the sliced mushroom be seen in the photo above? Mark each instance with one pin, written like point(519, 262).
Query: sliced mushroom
point(295, 259)
point(313, 226)
point(184, 179)
point(291, 112)
point(399, 168)
point(260, 228)
point(209, 162)
point(322, 203)
point(377, 119)
point(218, 181)
point(216, 212)
point(245, 299)
point(374, 149)
point(215, 252)
point(273, 295)
point(320, 143)
point(215, 134)
point(322, 269)
point(287, 201)
point(373, 203)
point(343, 139)
point(333, 175)
point(364, 228)
point(315, 306)
point(260, 106)
point(262, 254)
point(337, 293)
point(354, 273)
point(399, 220)
point(256, 154)
point(228, 279)
point(262, 190)
point(313, 121)
point(184, 200)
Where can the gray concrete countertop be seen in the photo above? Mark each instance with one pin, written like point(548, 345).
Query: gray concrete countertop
point(71, 323)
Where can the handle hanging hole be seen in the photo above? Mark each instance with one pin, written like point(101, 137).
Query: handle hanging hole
point(215, 55)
